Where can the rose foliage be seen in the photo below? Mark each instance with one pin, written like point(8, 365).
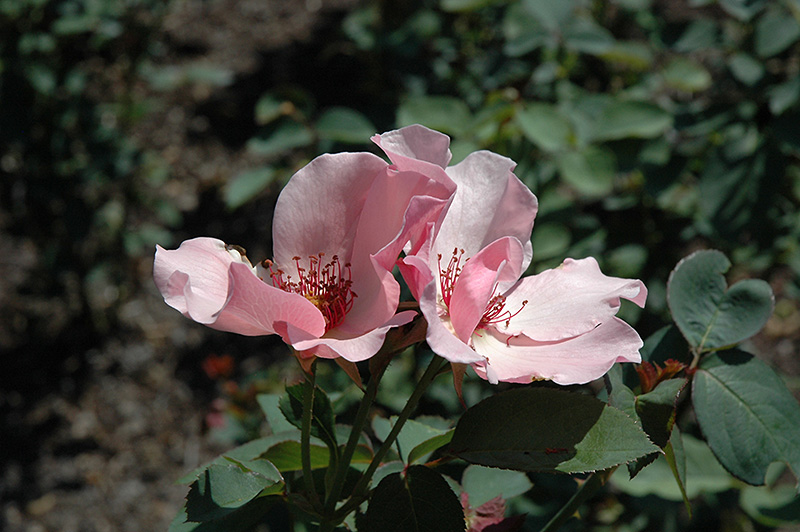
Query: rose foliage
point(460, 239)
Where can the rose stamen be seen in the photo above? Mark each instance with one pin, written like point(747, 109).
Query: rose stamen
point(327, 286)
point(495, 312)
point(448, 276)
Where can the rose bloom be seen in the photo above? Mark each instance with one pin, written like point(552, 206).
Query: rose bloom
point(339, 226)
point(558, 325)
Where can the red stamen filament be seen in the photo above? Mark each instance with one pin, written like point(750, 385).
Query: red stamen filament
point(328, 287)
point(496, 308)
point(448, 276)
point(496, 312)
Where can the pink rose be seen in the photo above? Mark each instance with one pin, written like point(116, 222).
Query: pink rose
point(339, 226)
point(558, 325)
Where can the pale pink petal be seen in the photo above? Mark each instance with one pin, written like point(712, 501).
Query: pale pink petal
point(353, 349)
point(567, 301)
point(319, 208)
point(399, 207)
point(417, 149)
point(500, 261)
point(490, 203)
point(256, 308)
point(194, 278)
point(377, 295)
point(575, 360)
point(415, 267)
point(416, 273)
point(440, 336)
point(215, 286)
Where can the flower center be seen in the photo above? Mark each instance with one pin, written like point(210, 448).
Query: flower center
point(495, 311)
point(327, 286)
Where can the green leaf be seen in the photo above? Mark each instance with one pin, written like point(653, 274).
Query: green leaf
point(627, 260)
point(386, 469)
point(784, 96)
point(284, 137)
point(211, 75)
point(458, 6)
point(686, 75)
point(322, 420)
point(743, 9)
point(268, 108)
point(522, 31)
point(229, 484)
point(247, 185)
point(631, 54)
point(773, 507)
point(620, 396)
point(443, 113)
point(286, 456)
point(424, 449)
point(664, 344)
point(701, 33)
point(703, 475)
point(342, 124)
point(583, 34)
point(543, 125)
point(550, 240)
point(270, 405)
point(709, 314)
point(419, 501)
point(655, 413)
point(240, 520)
point(485, 483)
point(623, 119)
point(775, 31)
point(656, 409)
point(412, 435)
point(746, 68)
point(550, 14)
point(590, 171)
point(747, 415)
point(675, 455)
point(248, 451)
point(543, 429)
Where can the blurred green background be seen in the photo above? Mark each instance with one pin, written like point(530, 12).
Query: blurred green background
point(647, 128)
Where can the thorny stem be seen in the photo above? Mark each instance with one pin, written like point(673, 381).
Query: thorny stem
point(359, 492)
point(595, 481)
point(355, 433)
point(305, 437)
point(696, 353)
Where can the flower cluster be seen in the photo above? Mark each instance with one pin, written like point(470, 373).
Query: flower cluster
point(460, 236)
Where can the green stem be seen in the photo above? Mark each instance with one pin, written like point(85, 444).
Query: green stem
point(359, 492)
point(355, 434)
point(305, 438)
point(585, 491)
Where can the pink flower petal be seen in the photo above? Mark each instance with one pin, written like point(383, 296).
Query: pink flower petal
point(440, 335)
point(500, 261)
point(353, 349)
point(216, 287)
point(417, 149)
point(567, 301)
point(575, 360)
point(257, 308)
point(490, 203)
point(398, 208)
point(415, 266)
point(194, 278)
point(319, 208)
point(377, 295)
